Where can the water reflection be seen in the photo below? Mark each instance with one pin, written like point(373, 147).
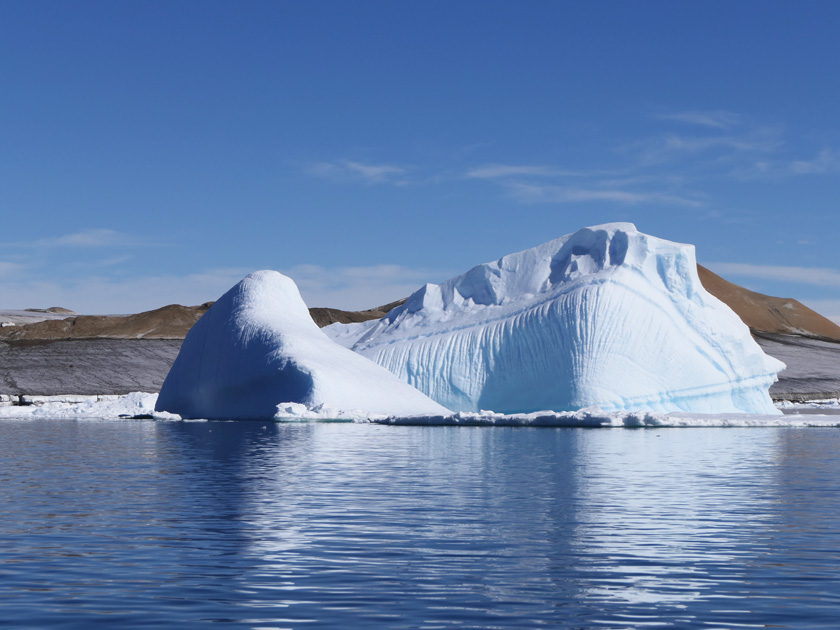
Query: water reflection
point(802, 540)
point(664, 517)
point(441, 524)
point(259, 525)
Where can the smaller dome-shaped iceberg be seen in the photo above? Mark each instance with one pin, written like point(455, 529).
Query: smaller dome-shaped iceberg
point(257, 348)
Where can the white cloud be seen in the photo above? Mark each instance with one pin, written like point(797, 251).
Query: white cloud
point(495, 171)
point(101, 295)
point(358, 288)
point(527, 184)
point(717, 119)
point(707, 151)
point(9, 268)
point(762, 142)
point(88, 238)
point(529, 193)
point(826, 161)
point(820, 276)
point(348, 170)
point(374, 173)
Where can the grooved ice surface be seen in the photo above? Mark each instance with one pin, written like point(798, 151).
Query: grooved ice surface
point(257, 348)
point(605, 317)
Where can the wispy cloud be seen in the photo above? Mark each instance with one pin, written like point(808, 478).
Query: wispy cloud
point(820, 276)
point(497, 171)
point(88, 238)
point(96, 294)
point(530, 193)
point(351, 288)
point(716, 119)
point(715, 148)
point(747, 152)
point(357, 288)
point(9, 268)
point(827, 161)
point(349, 170)
point(532, 183)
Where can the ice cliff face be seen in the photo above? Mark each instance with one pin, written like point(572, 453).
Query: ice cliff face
point(606, 317)
point(257, 347)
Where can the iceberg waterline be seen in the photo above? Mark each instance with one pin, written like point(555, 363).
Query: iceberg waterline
point(138, 404)
point(605, 317)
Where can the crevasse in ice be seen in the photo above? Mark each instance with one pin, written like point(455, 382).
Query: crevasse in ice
point(257, 348)
point(606, 317)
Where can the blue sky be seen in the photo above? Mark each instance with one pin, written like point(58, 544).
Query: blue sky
point(156, 152)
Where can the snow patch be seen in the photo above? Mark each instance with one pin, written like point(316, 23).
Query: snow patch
point(623, 419)
point(829, 404)
point(66, 407)
point(139, 404)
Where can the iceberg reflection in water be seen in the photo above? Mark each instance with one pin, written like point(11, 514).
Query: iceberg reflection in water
point(260, 524)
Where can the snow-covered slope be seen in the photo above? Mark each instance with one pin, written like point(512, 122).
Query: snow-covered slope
point(606, 317)
point(257, 348)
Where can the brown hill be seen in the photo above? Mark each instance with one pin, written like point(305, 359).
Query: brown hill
point(764, 313)
point(168, 322)
point(326, 316)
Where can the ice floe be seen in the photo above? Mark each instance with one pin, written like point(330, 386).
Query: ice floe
point(135, 404)
point(142, 405)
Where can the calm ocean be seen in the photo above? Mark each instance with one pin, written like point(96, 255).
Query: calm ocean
point(135, 524)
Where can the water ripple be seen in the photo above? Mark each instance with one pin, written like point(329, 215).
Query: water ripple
point(262, 525)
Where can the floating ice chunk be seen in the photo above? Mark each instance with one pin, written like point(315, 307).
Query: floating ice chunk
point(257, 348)
point(606, 317)
point(593, 418)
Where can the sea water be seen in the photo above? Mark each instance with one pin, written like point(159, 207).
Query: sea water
point(134, 524)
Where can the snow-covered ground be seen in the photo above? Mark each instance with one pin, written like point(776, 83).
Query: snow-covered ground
point(64, 407)
point(20, 318)
point(830, 405)
point(138, 404)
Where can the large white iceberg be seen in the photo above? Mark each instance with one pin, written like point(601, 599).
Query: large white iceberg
point(257, 354)
point(606, 317)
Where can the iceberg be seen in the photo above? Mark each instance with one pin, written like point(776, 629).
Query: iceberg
point(257, 354)
point(607, 318)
